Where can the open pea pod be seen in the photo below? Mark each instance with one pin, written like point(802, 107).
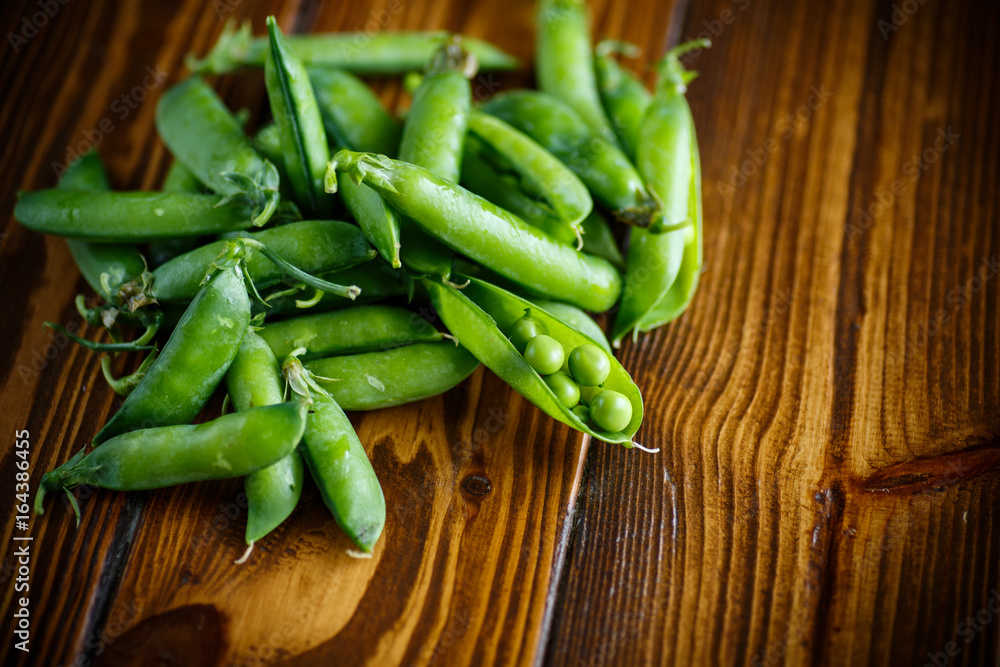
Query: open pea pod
point(480, 314)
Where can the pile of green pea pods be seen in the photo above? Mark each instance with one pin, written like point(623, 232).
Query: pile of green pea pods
point(340, 258)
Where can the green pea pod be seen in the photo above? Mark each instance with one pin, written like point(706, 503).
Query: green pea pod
point(485, 232)
point(378, 53)
point(105, 266)
point(539, 172)
point(681, 292)
point(254, 380)
point(354, 119)
point(268, 142)
point(599, 240)
point(203, 135)
point(338, 462)
point(128, 217)
point(601, 165)
point(181, 179)
point(231, 446)
point(576, 318)
point(375, 279)
point(623, 95)
point(348, 331)
point(433, 138)
point(194, 359)
point(665, 157)
point(481, 313)
point(352, 114)
point(373, 380)
point(296, 114)
point(482, 178)
point(564, 62)
point(314, 246)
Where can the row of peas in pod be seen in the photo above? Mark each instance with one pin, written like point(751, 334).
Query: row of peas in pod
point(356, 260)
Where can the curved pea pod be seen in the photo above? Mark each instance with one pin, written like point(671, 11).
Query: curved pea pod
point(338, 462)
point(181, 179)
point(666, 158)
point(297, 117)
point(381, 53)
point(314, 246)
point(480, 314)
point(539, 172)
point(193, 361)
point(624, 97)
point(348, 331)
point(373, 380)
point(129, 217)
point(600, 164)
point(352, 114)
point(375, 279)
point(504, 190)
point(253, 380)
point(564, 62)
point(203, 135)
point(105, 266)
point(485, 232)
point(231, 446)
point(681, 292)
point(433, 138)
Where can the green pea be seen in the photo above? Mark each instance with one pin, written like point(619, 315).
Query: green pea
point(544, 354)
point(524, 330)
point(611, 410)
point(587, 393)
point(565, 389)
point(582, 413)
point(588, 364)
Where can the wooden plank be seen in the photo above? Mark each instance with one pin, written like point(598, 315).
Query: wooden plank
point(829, 476)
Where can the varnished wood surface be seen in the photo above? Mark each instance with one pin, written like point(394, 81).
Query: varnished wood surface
point(827, 410)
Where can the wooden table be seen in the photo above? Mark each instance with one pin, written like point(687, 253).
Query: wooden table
point(827, 409)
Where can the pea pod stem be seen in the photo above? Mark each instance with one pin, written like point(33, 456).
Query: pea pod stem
point(349, 291)
point(124, 385)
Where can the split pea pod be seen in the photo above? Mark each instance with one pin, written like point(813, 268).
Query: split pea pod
point(105, 266)
point(129, 217)
point(576, 318)
point(564, 63)
point(366, 53)
point(203, 135)
point(382, 379)
point(481, 316)
point(231, 446)
point(433, 138)
point(193, 361)
point(348, 331)
point(624, 97)
point(600, 164)
point(300, 126)
point(254, 380)
point(485, 232)
point(666, 158)
point(314, 246)
point(338, 463)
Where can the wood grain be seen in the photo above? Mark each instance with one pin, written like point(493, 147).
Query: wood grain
point(827, 409)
